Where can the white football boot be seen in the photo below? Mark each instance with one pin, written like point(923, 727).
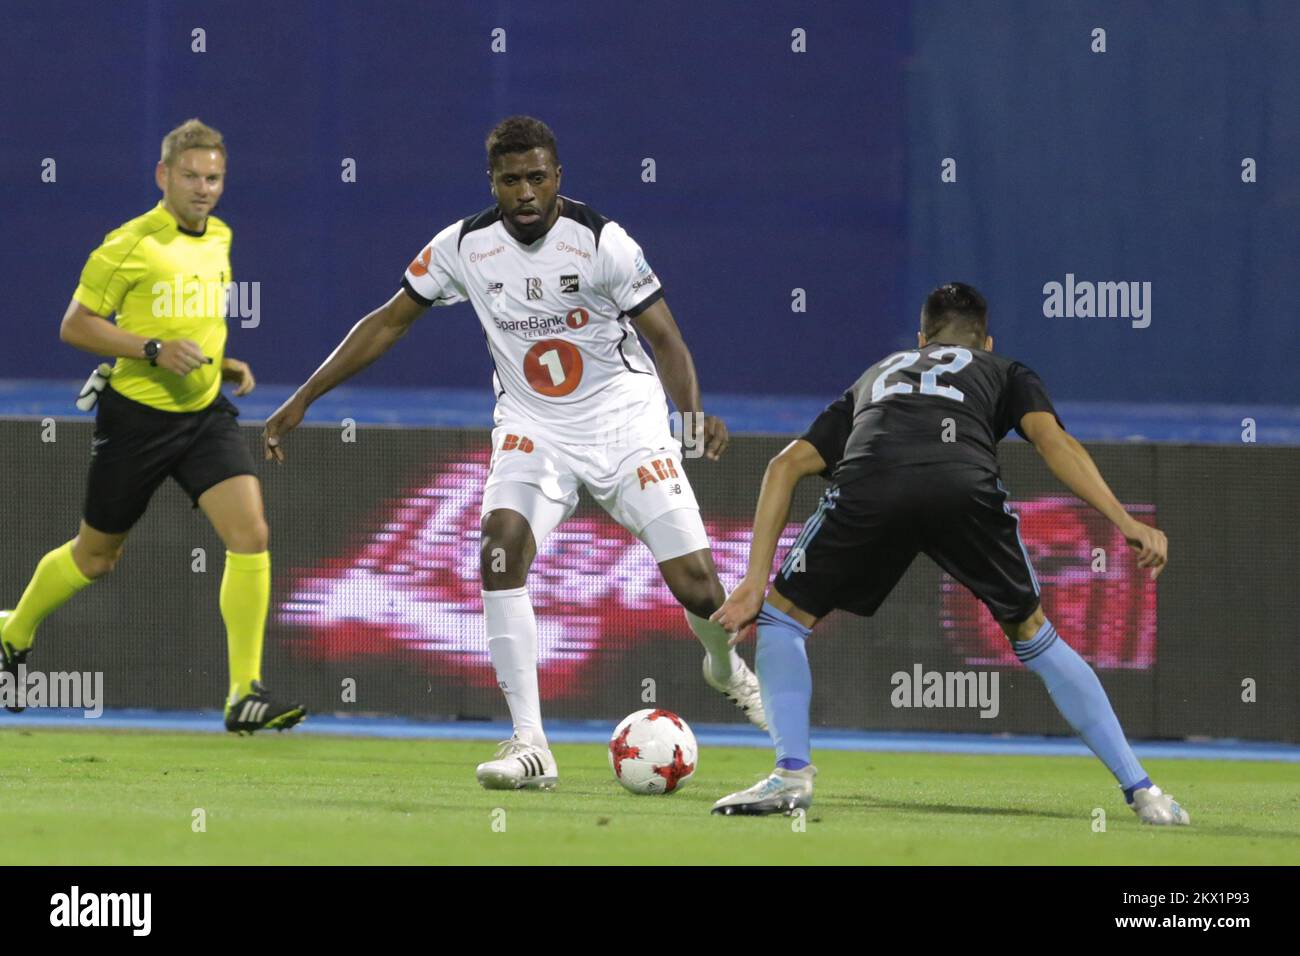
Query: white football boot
point(785, 791)
point(741, 689)
point(519, 766)
point(1154, 806)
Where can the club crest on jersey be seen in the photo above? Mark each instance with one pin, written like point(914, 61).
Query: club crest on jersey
point(568, 283)
point(533, 286)
point(660, 469)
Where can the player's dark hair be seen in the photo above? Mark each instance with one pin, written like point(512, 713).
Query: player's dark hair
point(955, 310)
point(519, 134)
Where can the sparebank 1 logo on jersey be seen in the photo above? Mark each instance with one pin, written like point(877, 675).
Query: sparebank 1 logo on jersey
point(543, 326)
point(409, 581)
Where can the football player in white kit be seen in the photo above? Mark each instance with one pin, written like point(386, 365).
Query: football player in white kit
point(561, 293)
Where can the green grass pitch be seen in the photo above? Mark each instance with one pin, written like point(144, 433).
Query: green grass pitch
point(102, 797)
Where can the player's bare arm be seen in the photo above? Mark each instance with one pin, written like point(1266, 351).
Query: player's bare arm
point(370, 338)
point(1070, 462)
point(94, 333)
point(233, 370)
point(796, 461)
point(677, 372)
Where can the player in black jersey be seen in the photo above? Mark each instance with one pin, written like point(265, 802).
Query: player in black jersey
point(910, 451)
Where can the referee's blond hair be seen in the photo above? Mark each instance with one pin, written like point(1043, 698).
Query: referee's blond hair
point(192, 134)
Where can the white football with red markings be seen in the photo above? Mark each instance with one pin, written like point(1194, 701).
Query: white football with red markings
point(653, 751)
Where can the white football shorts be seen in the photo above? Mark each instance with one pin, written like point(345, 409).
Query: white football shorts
point(642, 486)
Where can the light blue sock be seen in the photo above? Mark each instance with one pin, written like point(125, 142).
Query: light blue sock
point(1082, 701)
point(786, 684)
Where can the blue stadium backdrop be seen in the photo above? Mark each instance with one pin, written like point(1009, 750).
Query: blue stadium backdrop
point(774, 170)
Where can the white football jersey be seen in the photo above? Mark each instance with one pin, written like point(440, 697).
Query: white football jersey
point(557, 314)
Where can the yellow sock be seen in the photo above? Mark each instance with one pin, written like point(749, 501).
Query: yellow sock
point(245, 598)
point(57, 578)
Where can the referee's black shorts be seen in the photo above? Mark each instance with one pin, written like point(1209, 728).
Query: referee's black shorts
point(864, 535)
point(136, 447)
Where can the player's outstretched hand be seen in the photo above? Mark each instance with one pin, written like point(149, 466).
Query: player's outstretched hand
point(285, 420)
point(740, 608)
point(1151, 545)
point(233, 370)
point(715, 437)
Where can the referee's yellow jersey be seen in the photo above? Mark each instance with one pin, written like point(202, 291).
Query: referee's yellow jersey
point(164, 282)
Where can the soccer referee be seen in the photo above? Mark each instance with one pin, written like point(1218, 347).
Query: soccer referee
point(165, 275)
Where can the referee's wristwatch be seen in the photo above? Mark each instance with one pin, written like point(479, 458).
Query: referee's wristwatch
point(151, 350)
